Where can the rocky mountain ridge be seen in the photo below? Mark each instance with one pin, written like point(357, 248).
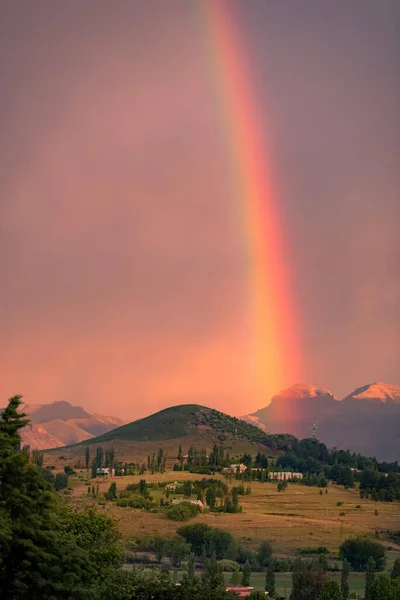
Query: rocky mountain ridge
point(365, 421)
point(60, 424)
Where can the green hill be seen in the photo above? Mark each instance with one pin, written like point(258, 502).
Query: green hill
point(167, 424)
point(187, 421)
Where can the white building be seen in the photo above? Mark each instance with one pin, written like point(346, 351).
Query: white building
point(105, 472)
point(284, 475)
point(196, 502)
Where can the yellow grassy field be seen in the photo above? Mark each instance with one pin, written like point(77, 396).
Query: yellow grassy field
point(298, 517)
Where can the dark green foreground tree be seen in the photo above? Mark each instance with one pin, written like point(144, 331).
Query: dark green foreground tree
point(331, 591)
point(41, 556)
point(308, 580)
point(344, 579)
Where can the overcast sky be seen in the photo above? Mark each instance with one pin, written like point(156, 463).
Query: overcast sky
point(122, 259)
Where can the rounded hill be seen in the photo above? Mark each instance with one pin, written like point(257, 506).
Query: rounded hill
point(189, 421)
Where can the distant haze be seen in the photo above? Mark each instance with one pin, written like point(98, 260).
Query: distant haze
point(123, 266)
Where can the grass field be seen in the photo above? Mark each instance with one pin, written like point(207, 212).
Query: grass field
point(283, 582)
point(298, 517)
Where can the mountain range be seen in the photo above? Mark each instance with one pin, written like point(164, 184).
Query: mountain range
point(60, 424)
point(365, 421)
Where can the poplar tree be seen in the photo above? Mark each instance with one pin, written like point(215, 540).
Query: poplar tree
point(369, 578)
point(270, 579)
point(395, 572)
point(246, 573)
point(330, 591)
point(344, 581)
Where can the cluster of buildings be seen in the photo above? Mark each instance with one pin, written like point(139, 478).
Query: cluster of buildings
point(239, 468)
point(105, 472)
point(284, 476)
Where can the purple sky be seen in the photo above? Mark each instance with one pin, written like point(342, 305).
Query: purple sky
point(122, 258)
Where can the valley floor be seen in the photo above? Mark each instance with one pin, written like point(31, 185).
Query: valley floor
point(296, 518)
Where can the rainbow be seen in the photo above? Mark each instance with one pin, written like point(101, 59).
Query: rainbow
point(274, 356)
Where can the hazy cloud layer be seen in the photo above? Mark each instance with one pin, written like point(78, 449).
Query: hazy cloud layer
point(122, 254)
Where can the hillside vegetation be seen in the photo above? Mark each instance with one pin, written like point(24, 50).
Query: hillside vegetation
point(181, 421)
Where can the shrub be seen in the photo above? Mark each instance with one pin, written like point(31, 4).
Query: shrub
point(61, 481)
point(228, 566)
point(358, 550)
point(310, 550)
point(183, 511)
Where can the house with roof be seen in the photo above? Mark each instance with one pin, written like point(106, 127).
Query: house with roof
point(196, 502)
point(241, 591)
point(105, 472)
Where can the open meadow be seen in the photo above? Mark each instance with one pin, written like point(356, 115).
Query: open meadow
point(298, 517)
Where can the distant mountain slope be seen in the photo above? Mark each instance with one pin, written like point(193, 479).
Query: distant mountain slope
point(97, 424)
point(66, 431)
point(36, 437)
point(378, 392)
point(41, 413)
point(294, 410)
point(366, 421)
point(60, 423)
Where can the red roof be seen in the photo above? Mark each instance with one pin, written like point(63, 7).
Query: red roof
point(241, 590)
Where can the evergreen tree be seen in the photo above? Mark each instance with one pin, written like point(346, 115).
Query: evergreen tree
point(308, 580)
point(37, 458)
point(38, 560)
point(246, 574)
point(190, 567)
point(322, 560)
point(344, 580)
point(395, 572)
point(61, 481)
point(270, 579)
point(369, 578)
point(385, 588)
point(235, 579)
point(94, 468)
point(264, 553)
point(112, 491)
point(99, 457)
point(330, 591)
point(212, 574)
point(211, 498)
point(87, 457)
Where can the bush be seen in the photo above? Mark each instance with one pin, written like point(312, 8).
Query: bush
point(61, 481)
point(358, 550)
point(136, 501)
point(317, 550)
point(228, 566)
point(183, 511)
